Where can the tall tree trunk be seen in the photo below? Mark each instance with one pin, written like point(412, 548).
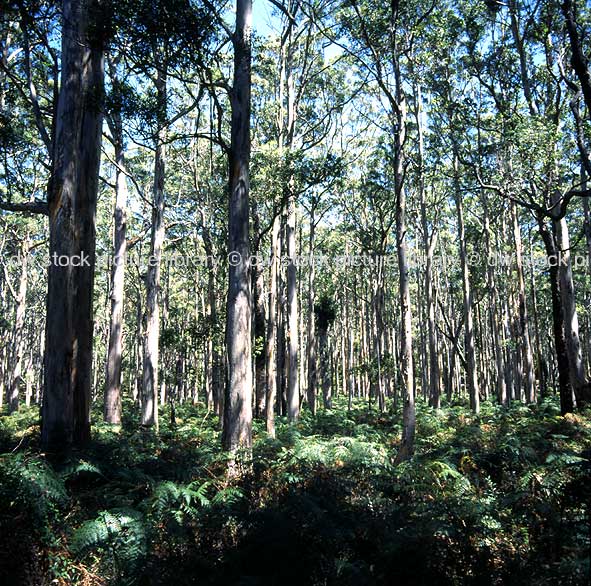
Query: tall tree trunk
point(212, 374)
point(311, 345)
point(325, 370)
point(20, 299)
point(281, 325)
point(523, 322)
point(429, 243)
point(406, 357)
point(112, 413)
point(569, 308)
point(378, 324)
point(152, 317)
point(499, 351)
point(271, 340)
point(565, 388)
point(259, 329)
point(469, 345)
point(237, 430)
point(542, 366)
point(293, 387)
point(72, 196)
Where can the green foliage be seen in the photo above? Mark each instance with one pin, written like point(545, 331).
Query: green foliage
point(29, 486)
point(119, 537)
point(173, 502)
point(324, 313)
point(502, 497)
point(81, 468)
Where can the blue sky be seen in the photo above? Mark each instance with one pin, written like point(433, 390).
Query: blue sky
point(262, 18)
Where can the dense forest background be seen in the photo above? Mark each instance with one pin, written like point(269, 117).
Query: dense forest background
point(295, 296)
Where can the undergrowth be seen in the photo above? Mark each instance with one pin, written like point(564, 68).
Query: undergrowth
point(501, 498)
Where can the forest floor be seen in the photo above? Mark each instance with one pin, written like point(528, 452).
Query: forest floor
point(502, 498)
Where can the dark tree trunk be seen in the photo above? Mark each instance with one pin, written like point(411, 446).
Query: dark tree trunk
point(259, 325)
point(578, 61)
point(72, 196)
point(566, 391)
point(325, 370)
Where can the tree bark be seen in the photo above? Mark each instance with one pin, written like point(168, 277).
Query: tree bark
point(499, 351)
point(112, 408)
point(518, 40)
point(72, 196)
point(259, 329)
point(469, 345)
point(213, 366)
point(406, 357)
point(324, 352)
point(271, 340)
point(311, 344)
point(569, 308)
point(152, 316)
point(565, 388)
point(522, 319)
point(237, 431)
point(429, 243)
point(578, 61)
point(293, 387)
point(20, 299)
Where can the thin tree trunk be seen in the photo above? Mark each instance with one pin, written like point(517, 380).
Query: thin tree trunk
point(325, 371)
point(112, 412)
point(469, 345)
point(259, 329)
point(281, 327)
point(523, 322)
point(152, 318)
point(20, 299)
point(406, 357)
point(213, 373)
point(542, 366)
point(272, 330)
point(578, 61)
point(501, 385)
point(311, 346)
point(429, 243)
point(293, 388)
point(518, 40)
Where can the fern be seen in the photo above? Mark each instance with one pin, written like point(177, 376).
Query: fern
point(120, 536)
point(227, 496)
point(28, 484)
point(177, 502)
point(80, 468)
